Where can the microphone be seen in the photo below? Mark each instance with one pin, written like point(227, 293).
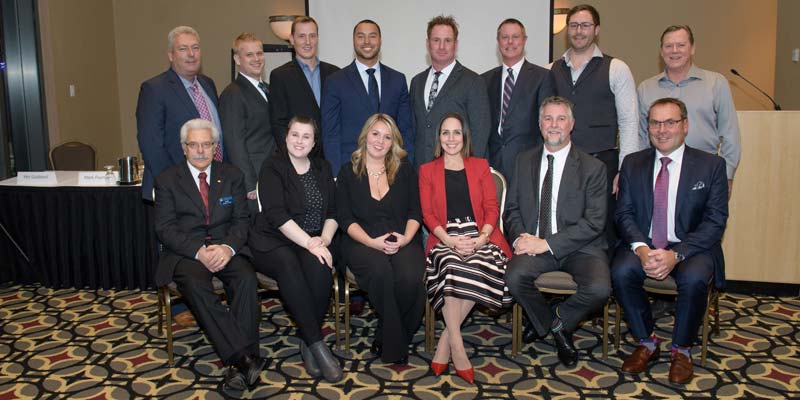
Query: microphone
point(774, 104)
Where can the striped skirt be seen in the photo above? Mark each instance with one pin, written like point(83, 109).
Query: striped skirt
point(478, 277)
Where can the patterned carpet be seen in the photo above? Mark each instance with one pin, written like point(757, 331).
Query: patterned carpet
point(99, 344)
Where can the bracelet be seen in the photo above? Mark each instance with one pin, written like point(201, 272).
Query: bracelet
point(484, 234)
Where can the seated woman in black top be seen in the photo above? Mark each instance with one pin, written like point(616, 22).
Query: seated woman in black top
point(378, 207)
point(290, 236)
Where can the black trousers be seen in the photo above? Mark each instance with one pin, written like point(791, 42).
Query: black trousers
point(396, 290)
point(232, 330)
point(589, 272)
point(611, 159)
point(305, 286)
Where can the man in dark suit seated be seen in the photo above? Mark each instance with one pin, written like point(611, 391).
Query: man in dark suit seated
point(349, 98)
point(515, 89)
point(671, 213)
point(244, 113)
point(202, 220)
point(168, 100)
point(555, 215)
point(445, 87)
point(296, 87)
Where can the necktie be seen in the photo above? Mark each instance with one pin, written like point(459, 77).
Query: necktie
point(263, 87)
point(508, 87)
point(660, 195)
point(374, 96)
point(204, 192)
point(546, 202)
point(202, 109)
point(434, 90)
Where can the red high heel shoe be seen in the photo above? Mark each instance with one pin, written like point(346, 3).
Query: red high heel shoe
point(438, 368)
point(467, 374)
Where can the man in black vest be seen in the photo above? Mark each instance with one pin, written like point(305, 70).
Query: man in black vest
point(604, 96)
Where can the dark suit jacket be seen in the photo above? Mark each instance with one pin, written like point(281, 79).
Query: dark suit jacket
point(180, 218)
point(463, 92)
point(248, 138)
point(521, 125)
point(163, 107)
point(283, 198)
point(346, 106)
point(291, 95)
point(581, 208)
point(701, 209)
point(482, 195)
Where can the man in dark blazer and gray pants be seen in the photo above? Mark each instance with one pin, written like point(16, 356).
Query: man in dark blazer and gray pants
point(447, 86)
point(202, 220)
point(244, 113)
point(515, 90)
point(555, 215)
point(297, 85)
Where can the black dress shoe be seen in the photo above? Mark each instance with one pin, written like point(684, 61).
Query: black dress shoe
point(376, 348)
point(566, 350)
point(234, 380)
point(250, 367)
point(402, 360)
point(529, 334)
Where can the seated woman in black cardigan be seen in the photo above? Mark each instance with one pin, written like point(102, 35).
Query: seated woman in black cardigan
point(289, 239)
point(377, 201)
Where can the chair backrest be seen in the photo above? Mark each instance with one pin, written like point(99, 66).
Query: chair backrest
point(500, 187)
point(258, 198)
point(73, 156)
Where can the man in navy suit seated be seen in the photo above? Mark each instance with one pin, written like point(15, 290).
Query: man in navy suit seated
point(671, 214)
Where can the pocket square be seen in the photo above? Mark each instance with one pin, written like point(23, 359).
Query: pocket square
point(699, 185)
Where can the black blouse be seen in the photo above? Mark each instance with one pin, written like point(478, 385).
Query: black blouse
point(456, 188)
point(354, 204)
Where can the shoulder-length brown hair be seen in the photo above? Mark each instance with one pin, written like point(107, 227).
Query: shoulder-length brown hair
point(466, 149)
point(393, 157)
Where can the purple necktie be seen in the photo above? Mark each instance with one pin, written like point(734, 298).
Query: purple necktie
point(660, 195)
point(508, 87)
point(202, 109)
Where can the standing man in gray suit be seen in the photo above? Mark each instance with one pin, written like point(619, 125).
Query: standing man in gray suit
point(447, 86)
point(555, 215)
point(244, 113)
point(515, 90)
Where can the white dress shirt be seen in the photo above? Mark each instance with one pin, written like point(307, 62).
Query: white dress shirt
point(559, 161)
point(195, 172)
point(674, 168)
point(516, 68)
point(362, 72)
point(255, 83)
point(445, 73)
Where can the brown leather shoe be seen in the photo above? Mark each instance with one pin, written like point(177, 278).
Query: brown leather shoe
point(639, 359)
point(680, 369)
point(185, 319)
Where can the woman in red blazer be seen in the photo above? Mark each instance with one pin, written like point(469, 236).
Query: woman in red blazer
point(467, 254)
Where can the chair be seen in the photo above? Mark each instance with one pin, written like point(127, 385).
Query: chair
point(430, 317)
point(669, 287)
point(169, 293)
point(349, 285)
point(556, 283)
point(73, 156)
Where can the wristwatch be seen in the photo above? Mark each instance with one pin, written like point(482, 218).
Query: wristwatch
point(679, 257)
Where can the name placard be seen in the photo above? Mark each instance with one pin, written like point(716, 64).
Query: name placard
point(96, 178)
point(37, 178)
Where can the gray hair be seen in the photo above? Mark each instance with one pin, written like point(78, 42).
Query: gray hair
point(556, 100)
point(179, 30)
point(199, 123)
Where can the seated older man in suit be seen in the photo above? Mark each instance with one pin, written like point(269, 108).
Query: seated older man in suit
point(202, 220)
point(671, 213)
point(555, 215)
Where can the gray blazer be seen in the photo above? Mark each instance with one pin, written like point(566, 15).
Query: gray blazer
point(521, 125)
point(580, 211)
point(463, 92)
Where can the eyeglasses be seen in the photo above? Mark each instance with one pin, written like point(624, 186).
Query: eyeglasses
point(575, 26)
point(670, 123)
point(196, 145)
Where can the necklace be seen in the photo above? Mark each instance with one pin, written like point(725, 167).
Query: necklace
point(377, 174)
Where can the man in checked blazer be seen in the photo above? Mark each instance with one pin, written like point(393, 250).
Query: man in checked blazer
point(445, 87)
point(555, 215)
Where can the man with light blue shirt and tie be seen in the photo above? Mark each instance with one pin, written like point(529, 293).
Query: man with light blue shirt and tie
point(363, 88)
point(168, 100)
point(296, 87)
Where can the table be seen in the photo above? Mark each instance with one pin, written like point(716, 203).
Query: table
point(76, 236)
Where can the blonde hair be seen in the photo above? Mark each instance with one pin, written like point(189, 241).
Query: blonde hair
point(393, 157)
